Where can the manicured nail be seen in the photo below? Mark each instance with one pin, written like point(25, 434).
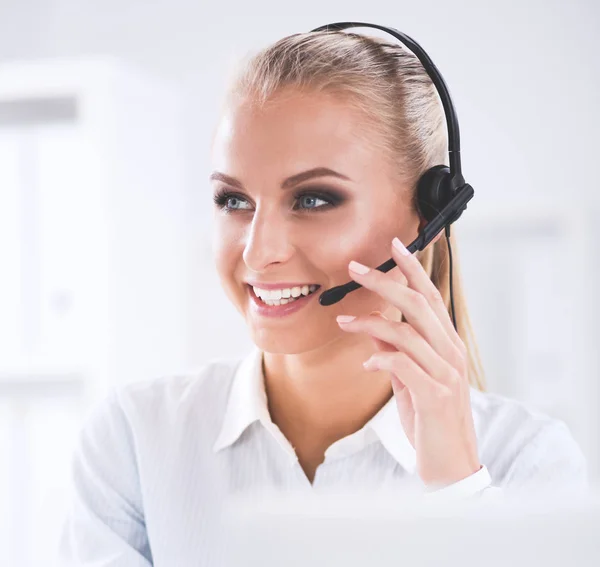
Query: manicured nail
point(344, 318)
point(358, 268)
point(370, 364)
point(400, 247)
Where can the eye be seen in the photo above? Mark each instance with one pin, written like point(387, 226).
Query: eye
point(308, 201)
point(228, 201)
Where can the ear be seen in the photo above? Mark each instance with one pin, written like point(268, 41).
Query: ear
point(422, 223)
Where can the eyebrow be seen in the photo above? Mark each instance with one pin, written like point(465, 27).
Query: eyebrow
point(289, 182)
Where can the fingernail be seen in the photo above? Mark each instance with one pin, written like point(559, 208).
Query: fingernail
point(370, 364)
point(400, 247)
point(344, 318)
point(358, 268)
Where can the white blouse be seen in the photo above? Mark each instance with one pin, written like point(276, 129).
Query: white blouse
point(157, 460)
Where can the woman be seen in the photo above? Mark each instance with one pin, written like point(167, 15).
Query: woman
point(316, 155)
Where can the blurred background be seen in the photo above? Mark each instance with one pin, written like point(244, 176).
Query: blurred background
point(106, 276)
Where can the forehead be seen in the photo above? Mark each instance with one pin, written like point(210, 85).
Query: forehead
point(293, 132)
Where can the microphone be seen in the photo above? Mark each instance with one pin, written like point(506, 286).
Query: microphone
point(445, 217)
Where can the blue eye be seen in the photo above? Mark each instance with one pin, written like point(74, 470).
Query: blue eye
point(312, 197)
point(229, 201)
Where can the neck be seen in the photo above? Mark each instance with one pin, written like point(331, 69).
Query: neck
point(325, 394)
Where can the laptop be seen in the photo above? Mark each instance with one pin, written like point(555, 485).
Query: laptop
point(396, 529)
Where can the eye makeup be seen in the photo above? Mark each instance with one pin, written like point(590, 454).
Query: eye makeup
point(331, 198)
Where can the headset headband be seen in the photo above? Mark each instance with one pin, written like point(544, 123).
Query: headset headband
point(438, 81)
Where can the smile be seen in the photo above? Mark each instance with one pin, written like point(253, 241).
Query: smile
point(285, 295)
point(281, 302)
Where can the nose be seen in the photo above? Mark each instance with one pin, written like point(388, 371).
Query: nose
point(268, 241)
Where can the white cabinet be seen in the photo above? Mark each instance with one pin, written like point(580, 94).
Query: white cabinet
point(94, 252)
point(93, 243)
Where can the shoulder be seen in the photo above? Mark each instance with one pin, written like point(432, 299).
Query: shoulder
point(150, 410)
point(502, 419)
point(135, 441)
point(204, 389)
point(519, 443)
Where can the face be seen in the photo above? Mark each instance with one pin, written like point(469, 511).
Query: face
point(277, 225)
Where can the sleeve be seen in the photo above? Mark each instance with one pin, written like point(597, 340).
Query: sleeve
point(472, 485)
point(551, 463)
point(105, 526)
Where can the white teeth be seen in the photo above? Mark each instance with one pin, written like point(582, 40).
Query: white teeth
point(279, 302)
point(283, 296)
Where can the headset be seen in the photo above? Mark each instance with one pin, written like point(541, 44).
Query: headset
point(442, 193)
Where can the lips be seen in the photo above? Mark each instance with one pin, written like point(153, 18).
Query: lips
point(262, 309)
point(285, 295)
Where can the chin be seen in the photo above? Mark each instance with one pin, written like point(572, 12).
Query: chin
point(292, 342)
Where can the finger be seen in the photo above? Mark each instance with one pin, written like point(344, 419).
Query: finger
point(396, 274)
point(404, 338)
point(402, 394)
point(399, 388)
point(425, 392)
point(414, 307)
point(379, 344)
point(419, 281)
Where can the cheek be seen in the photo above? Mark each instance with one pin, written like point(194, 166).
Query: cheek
point(226, 249)
point(367, 241)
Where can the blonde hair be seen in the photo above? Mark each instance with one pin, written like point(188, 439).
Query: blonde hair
point(388, 84)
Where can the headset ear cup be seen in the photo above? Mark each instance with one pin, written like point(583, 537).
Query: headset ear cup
point(433, 191)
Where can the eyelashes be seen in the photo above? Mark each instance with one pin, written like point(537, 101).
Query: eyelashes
point(223, 195)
